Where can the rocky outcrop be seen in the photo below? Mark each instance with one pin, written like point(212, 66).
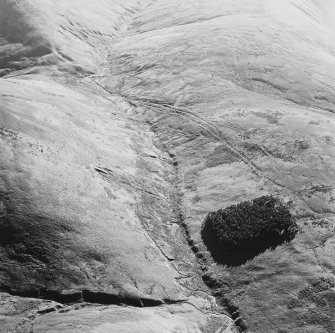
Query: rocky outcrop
point(31, 315)
point(123, 124)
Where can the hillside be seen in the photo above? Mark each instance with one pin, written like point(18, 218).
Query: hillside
point(124, 123)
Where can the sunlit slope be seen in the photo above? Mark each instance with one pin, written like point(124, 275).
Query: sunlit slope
point(70, 179)
point(62, 33)
point(242, 95)
point(265, 66)
point(69, 190)
point(124, 123)
point(279, 49)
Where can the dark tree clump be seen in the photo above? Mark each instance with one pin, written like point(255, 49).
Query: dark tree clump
point(239, 232)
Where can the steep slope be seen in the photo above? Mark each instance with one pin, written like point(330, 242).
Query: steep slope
point(63, 35)
point(86, 212)
point(59, 176)
point(123, 124)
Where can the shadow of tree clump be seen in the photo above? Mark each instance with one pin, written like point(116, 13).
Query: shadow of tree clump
point(240, 232)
